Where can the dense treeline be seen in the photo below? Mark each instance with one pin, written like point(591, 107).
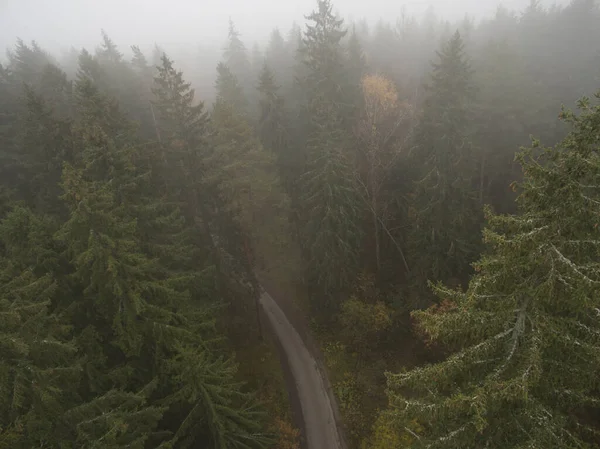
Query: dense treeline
point(121, 241)
point(354, 167)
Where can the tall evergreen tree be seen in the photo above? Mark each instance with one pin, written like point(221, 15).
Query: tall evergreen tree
point(141, 326)
point(27, 62)
point(278, 57)
point(525, 335)
point(272, 125)
point(330, 206)
point(446, 213)
point(236, 58)
point(230, 91)
point(356, 69)
point(39, 366)
point(44, 145)
point(235, 54)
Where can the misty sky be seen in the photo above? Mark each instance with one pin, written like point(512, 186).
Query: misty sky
point(58, 24)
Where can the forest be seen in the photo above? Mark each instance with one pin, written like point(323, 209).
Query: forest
point(423, 193)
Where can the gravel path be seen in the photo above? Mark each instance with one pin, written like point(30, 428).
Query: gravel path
point(320, 427)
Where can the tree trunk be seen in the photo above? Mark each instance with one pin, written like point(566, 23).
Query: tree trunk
point(255, 286)
point(481, 176)
point(376, 229)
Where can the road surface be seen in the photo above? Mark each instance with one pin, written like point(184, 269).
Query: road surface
point(320, 427)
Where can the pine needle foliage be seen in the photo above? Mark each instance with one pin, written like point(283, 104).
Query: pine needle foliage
point(38, 361)
point(525, 336)
point(445, 235)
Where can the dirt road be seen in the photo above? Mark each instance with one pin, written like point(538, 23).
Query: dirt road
point(320, 427)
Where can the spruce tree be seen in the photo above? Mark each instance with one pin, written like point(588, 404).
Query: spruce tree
point(141, 325)
point(248, 183)
point(44, 144)
point(27, 62)
point(236, 58)
point(356, 69)
point(39, 366)
point(278, 57)
point(329, 205)
point(235, 54)
point(524, 338)
point(230, 91)
point(272, 125)
point(446, 214)
point(185, 147)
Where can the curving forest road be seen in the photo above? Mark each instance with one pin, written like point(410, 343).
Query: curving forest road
point(320, 427)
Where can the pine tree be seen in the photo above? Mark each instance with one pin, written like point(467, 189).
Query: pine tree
point(184, 144)
point(10, 108)
point(248, 183)
point(44, 146)
point(504, 105)
point(27, 62)
point(272, 125)
point(278, 57)
point(140, 324)
point(445, 210)
point(157, 55)
point(38, 365)
point(235, 54)
point(108, 50)
point(356, 69)
point(329, 205)
point(322, 54)
point(235, 57)
point(140, 64)
point(331, 214)
point(525, 336)
point(230, 91)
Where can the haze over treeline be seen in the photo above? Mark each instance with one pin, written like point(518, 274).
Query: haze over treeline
point(416, 187)
point(60, 25)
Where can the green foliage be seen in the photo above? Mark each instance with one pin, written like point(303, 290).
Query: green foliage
point(329, 204)
point(235, 53)
point(446, 217)
point(331, 212)
point(387, 434)
point(229, 90)
point(44, 145)
point(27, 62)
point(273, 124)
point(38, 363)
point(525, 334)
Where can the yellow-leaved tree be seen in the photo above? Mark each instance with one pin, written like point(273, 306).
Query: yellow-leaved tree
point(383, 128)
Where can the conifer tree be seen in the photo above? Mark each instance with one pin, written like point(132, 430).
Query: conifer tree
point(230, 91)
point(278, 57)
point(44, 146)
point(157, 55)
point(524, 338)
point(27, 62)
point(356, 69)
point(247, 178)
point(235, 54)
point(136, 322)
point(446, 213)
point(272, 125)
point(322, 54)
point(10, 107)
point(108, 50)
point(235, 57)
point(140, 64)
point(39, 366)
point(330, 206)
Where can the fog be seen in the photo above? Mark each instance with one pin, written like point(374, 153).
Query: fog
point(164, 164)
point(60, 24)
